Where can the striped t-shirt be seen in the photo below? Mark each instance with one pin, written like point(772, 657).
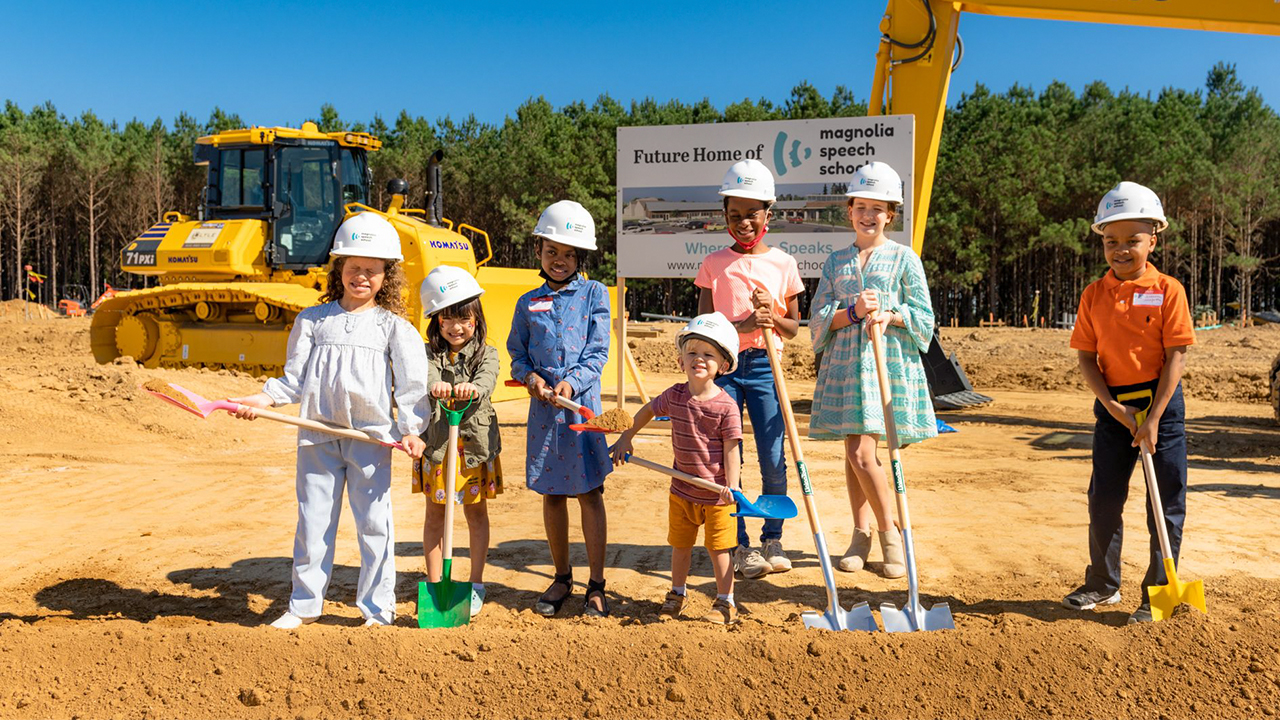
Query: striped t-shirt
point(699, 430)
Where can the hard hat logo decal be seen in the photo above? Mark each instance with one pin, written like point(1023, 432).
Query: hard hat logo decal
point(568, 226)
point(355, 236)
point(739, 180)
point(443, 288)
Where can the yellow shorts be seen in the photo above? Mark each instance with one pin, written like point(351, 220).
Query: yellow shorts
point(685, 517)
point(474, 485)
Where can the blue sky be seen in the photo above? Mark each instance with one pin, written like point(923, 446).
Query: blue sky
point(277, 64)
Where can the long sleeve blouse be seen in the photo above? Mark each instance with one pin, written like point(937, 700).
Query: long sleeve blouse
point(351, 369)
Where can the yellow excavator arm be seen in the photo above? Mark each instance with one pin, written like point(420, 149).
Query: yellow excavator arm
point(914, 61)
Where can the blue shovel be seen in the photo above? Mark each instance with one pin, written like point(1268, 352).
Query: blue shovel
point(769, 507)
point(912, 616)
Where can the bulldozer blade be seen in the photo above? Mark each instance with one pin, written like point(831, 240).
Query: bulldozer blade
point(913, 618)
point(1166, 598)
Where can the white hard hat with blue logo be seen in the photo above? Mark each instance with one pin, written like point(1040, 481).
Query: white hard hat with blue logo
point(748, 179)
point(567, 223)
point(447, 285)
point(1130, 201)
point(876, 181)
point(716, 329)
point(367, 234)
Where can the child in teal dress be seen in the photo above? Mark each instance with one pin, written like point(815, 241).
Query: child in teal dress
point(875, 280)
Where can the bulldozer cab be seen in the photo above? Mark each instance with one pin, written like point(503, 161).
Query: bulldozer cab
point(298, 185)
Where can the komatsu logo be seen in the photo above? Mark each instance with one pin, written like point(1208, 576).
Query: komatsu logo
point(450, 244)
point(183, 258)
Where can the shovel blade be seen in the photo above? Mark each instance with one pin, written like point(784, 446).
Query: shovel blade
point(858, 617)
point(916, 618)
point(769, 507)
point(444, 604)
point(1165, 599)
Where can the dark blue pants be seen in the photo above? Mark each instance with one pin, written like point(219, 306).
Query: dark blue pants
point(751, 384)
point(1113, 460)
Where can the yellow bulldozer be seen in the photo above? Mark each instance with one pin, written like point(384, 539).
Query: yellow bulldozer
point(232, 280)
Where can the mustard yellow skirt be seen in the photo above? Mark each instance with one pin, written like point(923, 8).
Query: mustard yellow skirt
point(482, 482)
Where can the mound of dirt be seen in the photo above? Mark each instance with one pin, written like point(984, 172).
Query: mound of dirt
point(21, 309)
point(1230, 364)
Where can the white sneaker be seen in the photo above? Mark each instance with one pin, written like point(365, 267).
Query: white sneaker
point(477, 601)
point(750, 563)
point(289, 621)
point(375, 622)
point(774, 555)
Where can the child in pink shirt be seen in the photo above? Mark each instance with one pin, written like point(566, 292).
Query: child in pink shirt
point(755, 286)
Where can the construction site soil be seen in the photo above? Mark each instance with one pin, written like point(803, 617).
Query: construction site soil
point(145, 548)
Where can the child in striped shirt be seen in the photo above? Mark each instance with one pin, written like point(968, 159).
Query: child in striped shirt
point(706, 429)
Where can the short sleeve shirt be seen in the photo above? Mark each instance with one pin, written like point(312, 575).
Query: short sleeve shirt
point(699, 430)
point(732, 276)
point(1129, 323)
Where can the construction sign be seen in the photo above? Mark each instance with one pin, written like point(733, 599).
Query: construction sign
point(670, 214)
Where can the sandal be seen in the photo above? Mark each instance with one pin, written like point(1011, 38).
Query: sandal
point(595, 588)
point(549, 608)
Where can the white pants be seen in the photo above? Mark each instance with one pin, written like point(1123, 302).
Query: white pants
point(365, 470)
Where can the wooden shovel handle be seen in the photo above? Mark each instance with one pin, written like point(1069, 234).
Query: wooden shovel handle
point(793, 435)
point(890, 424)
point(692, 480)
point(322, 427)
point(566, 403)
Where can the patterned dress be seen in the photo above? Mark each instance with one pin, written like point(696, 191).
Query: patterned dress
point(563, 335)
point(847, 398)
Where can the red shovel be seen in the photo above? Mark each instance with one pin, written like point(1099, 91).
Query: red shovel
point(565, 403)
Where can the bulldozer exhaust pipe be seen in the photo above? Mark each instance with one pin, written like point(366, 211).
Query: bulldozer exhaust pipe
point(434, 204)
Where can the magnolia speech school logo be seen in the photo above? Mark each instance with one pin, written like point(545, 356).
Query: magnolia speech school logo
point(781, 154)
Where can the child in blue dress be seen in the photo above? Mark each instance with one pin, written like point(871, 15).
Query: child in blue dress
point(559, 343)
point(875, 280)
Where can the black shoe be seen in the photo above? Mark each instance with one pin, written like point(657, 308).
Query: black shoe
point(1085, 599)
point(1141, 615)
point(596, 588)
point(549, 608)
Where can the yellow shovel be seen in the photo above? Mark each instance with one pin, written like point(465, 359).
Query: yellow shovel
point(1164, 598)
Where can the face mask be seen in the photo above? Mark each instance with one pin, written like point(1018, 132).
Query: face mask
point(751, 243)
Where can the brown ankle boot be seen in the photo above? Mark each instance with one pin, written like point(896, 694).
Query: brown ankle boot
point(859, 548)
point(895, 561)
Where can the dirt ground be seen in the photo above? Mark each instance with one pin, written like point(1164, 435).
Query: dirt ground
point(144, 548)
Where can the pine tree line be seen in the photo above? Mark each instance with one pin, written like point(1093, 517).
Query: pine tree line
point(1019, 175)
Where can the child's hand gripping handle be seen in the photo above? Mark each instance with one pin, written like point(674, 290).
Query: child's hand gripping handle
point(563, 402)
point(692, 480)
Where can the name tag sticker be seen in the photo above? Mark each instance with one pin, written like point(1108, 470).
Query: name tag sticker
point(1148, 299)
point(540, 305)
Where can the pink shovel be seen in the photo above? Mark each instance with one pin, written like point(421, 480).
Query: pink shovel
point(193, 403)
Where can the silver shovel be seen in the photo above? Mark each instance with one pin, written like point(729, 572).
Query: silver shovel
point(859, 616)
point(912, 616)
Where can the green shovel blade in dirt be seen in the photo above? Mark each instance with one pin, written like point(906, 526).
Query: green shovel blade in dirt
point(446, 603)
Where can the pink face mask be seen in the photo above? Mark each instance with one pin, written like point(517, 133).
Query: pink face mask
point(752, 243)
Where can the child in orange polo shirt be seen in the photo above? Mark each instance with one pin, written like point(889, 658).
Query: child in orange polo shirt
point(1131, 335)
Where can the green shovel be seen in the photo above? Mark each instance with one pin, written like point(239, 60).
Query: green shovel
point(446, 603)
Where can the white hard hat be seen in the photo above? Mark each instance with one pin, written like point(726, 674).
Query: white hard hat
point(568, 223)
point(367, 234)
point(447, 285)
point(876, 181)
point(1129, 201)
point(748, 179)
point(716, 329)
